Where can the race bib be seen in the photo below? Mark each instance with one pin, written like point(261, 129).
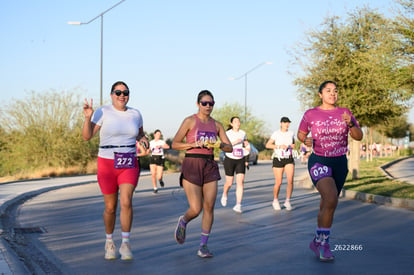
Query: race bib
point(286, 153)
point(206, 137)
point(124, 160)
point(319, 171)
point(238, 152)
point(156, 150)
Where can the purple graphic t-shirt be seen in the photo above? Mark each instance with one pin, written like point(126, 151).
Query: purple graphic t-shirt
point(329, 131)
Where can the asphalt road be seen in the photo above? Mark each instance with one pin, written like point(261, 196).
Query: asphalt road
point(367, 238)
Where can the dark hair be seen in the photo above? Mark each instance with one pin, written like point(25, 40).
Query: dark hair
point(158, 130)
point(326, 83)
point(118, 83)
point(203, 93)
point(231, 121)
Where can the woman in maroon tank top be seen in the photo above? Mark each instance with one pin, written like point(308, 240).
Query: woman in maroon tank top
point(198, 134)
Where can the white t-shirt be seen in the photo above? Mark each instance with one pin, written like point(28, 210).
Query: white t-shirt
point(117, 128)
point(238, 150)
point(157, 151)
point(283, 138)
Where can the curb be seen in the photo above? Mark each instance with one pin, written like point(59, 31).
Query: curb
point(378, 199)
point(305, 182)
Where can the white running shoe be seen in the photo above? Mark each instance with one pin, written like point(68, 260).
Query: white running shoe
point(276, 205)
point(125, 251)
point(287, 205)
point(237, 208)
point(110, 250)
point(223, 201)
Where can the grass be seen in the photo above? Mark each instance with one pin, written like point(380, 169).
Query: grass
point(51, 172)
point(373, 181)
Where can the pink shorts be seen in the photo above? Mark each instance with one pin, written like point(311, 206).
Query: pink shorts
point(110, 178)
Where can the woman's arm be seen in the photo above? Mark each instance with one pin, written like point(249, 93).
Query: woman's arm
point(178, 143)
point(303, 137)
point(225, 144)
point(270, 144)
point(165, 146)
point(354, 130)
point(89, 128)
point(141, 138)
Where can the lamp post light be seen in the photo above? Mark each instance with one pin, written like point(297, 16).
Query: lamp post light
point(245, 84)
point(85, 23)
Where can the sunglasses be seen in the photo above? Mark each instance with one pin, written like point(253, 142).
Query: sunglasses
point(205, 103)
point(118, 92)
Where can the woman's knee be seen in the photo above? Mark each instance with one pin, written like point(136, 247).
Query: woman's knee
point(126, 203)
point(194, 211)
point(330, 202)
point(110, 209)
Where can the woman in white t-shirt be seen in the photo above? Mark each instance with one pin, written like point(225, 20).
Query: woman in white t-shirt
point(157, 146)
point(234, 162)
point(282, 142)
point(119, 127)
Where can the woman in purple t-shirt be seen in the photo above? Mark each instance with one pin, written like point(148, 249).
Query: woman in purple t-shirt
point(329, 126)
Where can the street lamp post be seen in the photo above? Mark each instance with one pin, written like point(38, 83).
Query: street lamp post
point(245, 84)
point(85, 23)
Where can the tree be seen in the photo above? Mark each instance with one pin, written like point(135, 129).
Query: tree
point(396, 127)
point(404, 24)
point(255, 128)
point(44, 131)
point(359, 54)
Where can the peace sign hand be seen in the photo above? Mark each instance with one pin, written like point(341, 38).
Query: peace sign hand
point(87, 108)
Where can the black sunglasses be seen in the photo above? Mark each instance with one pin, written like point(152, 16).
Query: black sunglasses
point(118, 92)
point(205, 103)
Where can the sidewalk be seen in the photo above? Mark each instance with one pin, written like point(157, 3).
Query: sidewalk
point(401, 170)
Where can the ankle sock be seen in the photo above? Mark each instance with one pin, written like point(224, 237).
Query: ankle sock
point(204, 237)
point(322, 234)
point(125, 236)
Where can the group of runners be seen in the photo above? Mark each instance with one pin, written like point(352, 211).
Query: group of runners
point(121, 132)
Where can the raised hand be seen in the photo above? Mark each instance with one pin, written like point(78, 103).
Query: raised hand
point(87, 108)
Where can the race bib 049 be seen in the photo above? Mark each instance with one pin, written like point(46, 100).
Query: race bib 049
point(319, 171)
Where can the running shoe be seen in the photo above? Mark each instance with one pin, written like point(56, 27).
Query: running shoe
point(223, 201)
point(325, 253)
point(125, 251)
point(162, 183)
point(237, 208)
point(314, 246)
point(110, 249)
point(287, 205)
point(155, 191)
point(180, 232)
point(203, 252)
point(276, 205)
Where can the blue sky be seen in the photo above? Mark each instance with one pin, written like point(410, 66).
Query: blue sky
point(166, 51)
